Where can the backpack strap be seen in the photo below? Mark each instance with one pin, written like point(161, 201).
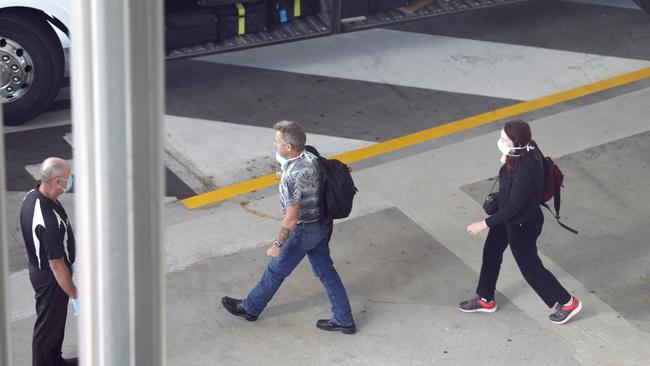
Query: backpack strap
point(557, 217)
point(556, 204)
point(556, 199)
point(312, 150)
point(494, 185)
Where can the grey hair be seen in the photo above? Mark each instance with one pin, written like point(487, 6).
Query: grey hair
point(51, 170)
point(292, 134)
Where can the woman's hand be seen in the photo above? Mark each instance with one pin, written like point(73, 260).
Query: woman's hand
point(477, 227)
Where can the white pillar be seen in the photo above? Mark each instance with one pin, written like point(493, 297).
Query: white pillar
point(117, 100)
point(5, 323)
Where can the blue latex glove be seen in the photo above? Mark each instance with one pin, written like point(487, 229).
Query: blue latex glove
point(75, 306)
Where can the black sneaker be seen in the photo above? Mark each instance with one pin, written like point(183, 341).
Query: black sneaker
point(562, 314)
point(330, 325)
point(477, 304)
point(235, 307)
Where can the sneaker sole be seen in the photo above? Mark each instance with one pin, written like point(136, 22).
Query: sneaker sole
point(342, 330)
point(480, 310)
point(571, 315)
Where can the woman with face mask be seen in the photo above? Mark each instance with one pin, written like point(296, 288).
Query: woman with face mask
point(518, 221)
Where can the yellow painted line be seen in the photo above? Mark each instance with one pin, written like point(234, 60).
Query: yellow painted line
point(248, 186)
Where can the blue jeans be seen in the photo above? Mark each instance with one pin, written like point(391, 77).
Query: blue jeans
point(311, 240)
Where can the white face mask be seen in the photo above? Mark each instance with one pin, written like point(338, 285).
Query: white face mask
point(281, 160)
point(284, 162)
point(506, 150)
point(68, 186)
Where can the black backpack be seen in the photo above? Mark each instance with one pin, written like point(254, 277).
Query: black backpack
point(337, 188)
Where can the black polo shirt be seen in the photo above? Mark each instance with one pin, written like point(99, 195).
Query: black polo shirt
point(46, 231)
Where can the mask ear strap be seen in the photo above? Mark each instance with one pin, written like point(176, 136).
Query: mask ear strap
point(527, 147)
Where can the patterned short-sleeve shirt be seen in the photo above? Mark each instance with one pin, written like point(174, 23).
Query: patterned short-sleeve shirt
point(46, 231)
point(300, 184)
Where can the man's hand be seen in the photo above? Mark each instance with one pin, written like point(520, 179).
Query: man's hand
point(477, 227)
point(63, 277)
point(288, 225)
point(273, 251)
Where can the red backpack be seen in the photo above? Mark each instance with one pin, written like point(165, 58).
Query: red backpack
point(553, 182)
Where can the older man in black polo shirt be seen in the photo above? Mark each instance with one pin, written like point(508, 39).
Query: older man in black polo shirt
point(50, 248)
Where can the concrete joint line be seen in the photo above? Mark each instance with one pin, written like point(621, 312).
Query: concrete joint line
point(183, 167)
point(601, 330)
point(444, 201)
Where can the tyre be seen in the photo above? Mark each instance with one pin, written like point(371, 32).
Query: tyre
point(643, 4)
point(31, 66)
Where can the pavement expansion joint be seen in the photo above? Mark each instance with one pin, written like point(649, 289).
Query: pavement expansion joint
point(185, 168)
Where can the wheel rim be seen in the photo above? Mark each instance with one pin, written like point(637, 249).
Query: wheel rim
point(16, 70)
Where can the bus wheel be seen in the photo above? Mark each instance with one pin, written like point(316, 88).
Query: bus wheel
point(31, 66)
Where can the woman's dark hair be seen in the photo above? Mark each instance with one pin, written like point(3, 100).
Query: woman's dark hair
point(519, 133)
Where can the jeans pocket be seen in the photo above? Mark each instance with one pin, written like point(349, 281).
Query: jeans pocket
point(309, 239)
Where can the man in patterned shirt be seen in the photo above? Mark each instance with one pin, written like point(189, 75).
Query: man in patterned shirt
point(50, 246)
point(304, 232)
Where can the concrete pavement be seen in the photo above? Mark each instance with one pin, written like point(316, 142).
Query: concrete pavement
point(435, 62)
point(404, 253)
point(407, 261)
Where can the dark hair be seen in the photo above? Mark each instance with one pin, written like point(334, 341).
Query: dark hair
point(519, 133)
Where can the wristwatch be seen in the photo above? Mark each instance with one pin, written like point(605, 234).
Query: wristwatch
point(277, 244)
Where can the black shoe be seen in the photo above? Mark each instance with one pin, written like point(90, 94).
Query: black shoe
point(235, 307)
point(71, 361)
point(330, 325)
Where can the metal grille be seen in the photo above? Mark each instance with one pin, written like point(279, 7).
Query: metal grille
point(296, 29)
point(319, 25)
point(437, 7)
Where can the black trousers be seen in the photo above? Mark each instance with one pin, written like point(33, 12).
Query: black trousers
point(523, 244)
point(51, 314)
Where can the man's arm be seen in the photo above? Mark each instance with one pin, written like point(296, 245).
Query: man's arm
point(63, 278)
point(289, 223)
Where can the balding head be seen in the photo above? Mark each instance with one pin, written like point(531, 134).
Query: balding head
point(53, 168)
